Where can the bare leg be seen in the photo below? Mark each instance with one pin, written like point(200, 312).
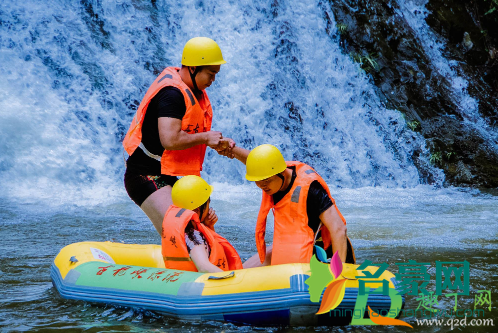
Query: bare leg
point(156, 205)
point(255, 262)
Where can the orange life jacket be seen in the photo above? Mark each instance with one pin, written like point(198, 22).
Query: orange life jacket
point(293, 239)
point(174, 247)
point(198, 118)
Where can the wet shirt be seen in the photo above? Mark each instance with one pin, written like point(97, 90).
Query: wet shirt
point(317, 202)
point(168, 102)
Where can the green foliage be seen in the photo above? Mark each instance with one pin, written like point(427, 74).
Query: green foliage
point(450, 154)
point(494, 6)
point(319, 279)
point(355, 56)
point(367, 63)
point(436, 158)
point(371, 63)
point(342, 28)
point(414, 125)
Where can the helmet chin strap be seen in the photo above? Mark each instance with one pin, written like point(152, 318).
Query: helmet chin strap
point(192, 77)
point(201, 211)
point(283, 180)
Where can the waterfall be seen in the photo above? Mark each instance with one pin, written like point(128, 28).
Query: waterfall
point(415, 13)
point(73, 73)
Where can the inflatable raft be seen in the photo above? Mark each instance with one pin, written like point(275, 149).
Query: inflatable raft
point(134, 276)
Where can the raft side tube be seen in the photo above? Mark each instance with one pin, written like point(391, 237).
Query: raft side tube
point(265, 296)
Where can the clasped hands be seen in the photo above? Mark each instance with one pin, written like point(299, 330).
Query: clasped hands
point(223, 146)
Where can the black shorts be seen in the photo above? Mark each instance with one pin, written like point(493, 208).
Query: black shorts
point(139, 187)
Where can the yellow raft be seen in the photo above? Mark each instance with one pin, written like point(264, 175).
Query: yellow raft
point(134, 276)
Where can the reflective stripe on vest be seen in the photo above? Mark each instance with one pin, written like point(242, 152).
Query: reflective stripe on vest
point(293, 239)
point(177, 259)
point(197, 119)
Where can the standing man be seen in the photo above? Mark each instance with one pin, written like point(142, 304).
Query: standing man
point(172, 128)
point(302, 207)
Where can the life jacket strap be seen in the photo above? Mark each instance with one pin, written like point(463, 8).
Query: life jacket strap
point(316, 234)
point(177, 259)
point(148, 153)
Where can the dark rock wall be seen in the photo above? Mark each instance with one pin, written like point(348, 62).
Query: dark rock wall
point(378, 36)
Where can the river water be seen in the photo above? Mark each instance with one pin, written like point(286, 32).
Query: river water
point(72, 74)
point(386, 225)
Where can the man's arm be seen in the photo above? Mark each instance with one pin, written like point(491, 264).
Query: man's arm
point(240, 154)
point(173, 138)
point(338, 231)
point(255, 261)
point(227, 148)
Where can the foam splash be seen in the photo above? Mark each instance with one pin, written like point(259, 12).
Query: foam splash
point(73, 75)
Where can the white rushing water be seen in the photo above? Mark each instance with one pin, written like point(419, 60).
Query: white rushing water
point(415, 14)
point(423, 218)
point(72, 74)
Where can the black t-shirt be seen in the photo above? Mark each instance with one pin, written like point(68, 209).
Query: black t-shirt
point(168, 102)
point(317, 202)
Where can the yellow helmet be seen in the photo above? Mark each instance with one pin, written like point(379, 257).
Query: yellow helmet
point(263, 162)
point(202, 51)
point(190, 192)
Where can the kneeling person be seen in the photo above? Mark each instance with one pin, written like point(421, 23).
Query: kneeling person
point(189, 241)
point(303, 209)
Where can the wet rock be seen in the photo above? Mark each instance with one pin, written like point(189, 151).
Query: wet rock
point(463, 174)
point(467, 42)
point(493, 53)
point(409, 80)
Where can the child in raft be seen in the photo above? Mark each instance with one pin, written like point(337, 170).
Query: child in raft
point(189, 241)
